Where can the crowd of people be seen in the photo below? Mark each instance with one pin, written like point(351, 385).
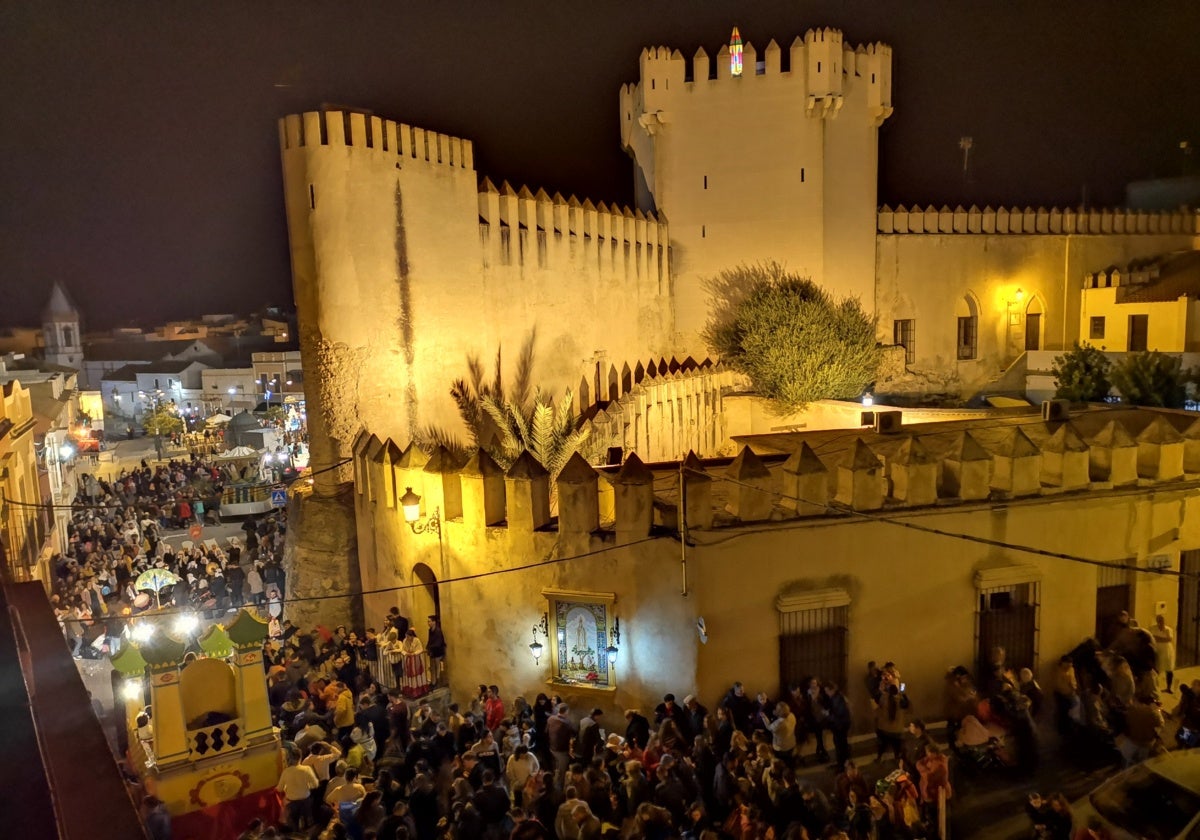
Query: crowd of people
point(363, 761)
point(369, 756)
point(116, 534)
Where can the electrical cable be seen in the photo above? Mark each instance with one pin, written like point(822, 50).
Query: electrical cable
point(550, 561)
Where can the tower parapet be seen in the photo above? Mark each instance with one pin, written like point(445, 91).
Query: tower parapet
point(811, 156)
point(366, 131)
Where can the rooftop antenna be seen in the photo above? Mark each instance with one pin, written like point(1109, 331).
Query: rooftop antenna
point(965, 143)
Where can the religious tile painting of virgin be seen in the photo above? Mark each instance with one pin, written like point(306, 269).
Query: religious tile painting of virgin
point(582, 632)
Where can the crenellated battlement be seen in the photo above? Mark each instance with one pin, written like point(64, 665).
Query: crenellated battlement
point(821, 60)
point(1004, 220)
point(822, 474)
point(367, 131)
point(519, 226)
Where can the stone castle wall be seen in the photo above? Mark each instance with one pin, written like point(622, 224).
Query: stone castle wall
point(779, 163)
point(402, 267)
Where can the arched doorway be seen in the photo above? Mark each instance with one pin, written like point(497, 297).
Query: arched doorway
point(1033, 324)
point(425, 599)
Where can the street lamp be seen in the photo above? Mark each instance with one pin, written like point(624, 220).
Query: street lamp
point(411, 503)
point(614, 639)
point(535, 646)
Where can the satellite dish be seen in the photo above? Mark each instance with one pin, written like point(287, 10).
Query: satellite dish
point(702, 630)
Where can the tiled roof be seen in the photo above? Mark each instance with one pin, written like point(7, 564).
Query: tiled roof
point(1178, 276)
point(128, 373)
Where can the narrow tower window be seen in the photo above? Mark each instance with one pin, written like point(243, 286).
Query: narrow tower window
point(312, 198)
point(735, 53)
point(701, 231)
point(801, 174)
point(705, 182)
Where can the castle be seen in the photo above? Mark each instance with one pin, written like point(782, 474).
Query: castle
point(405, 263)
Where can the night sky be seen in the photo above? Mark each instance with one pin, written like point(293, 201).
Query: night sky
point(138, 147)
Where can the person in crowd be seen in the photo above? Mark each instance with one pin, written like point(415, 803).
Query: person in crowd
point(560, 734)
point(1164, 650)
point(435, 645)
point(637, 729)
point(296, 783)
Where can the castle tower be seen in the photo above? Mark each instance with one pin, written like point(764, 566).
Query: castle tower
point(60, 330)
point(752, 158)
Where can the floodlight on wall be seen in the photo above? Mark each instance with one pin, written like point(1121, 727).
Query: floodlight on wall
point(614, 639)
point(410, 502)
point(536, 647)
point(868, 399)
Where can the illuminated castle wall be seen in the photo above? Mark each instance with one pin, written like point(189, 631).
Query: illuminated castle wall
point(403, 264)
point(779, 162)
point(404, 260)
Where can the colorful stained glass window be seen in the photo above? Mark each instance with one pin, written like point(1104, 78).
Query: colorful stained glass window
point(735, 53)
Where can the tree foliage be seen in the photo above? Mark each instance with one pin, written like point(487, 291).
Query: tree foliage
point(1082, 374)
point(469, 395)
point(547, 430)
point(1151, 378)
point(163, 419)
point(795, 341)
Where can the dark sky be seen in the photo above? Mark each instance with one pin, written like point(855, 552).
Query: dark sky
point(138, 156)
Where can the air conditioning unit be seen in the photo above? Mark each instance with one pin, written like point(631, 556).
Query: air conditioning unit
point(887, 422)
point(1056, 410)
point(867, 419)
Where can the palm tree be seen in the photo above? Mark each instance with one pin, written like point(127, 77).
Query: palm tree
point(469, 395)
point(547, 430)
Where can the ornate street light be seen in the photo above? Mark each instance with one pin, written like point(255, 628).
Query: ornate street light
point(411, 503)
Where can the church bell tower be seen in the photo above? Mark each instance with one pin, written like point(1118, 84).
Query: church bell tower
point(60, 330)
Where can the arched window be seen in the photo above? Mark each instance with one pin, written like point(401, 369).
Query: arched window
point(968, 328)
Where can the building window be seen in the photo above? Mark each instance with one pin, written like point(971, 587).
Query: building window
point(1097, 327)
point(1006, 617)
point(968, 337)
point(814, 627)
point(1139, 332)
point(705, 182)
point(904, 333)
point(581, 625)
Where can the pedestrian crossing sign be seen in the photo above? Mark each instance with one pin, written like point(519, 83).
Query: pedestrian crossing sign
point(279, 497)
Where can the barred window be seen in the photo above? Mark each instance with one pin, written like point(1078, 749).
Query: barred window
point(1007, 615)
point(813, 637)
point(904, 333)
